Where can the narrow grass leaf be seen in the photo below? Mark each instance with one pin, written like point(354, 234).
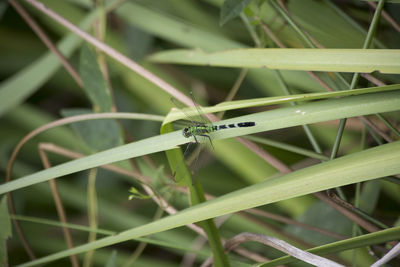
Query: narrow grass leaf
point(333, 60)
point(6, 232)
point(182, 175)
point(231, 105)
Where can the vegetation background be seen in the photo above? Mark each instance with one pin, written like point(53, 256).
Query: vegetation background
point(133, 190)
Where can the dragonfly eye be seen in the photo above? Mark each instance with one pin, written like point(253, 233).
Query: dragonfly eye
point(186, 133)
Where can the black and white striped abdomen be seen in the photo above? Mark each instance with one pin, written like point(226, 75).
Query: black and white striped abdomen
point(234, 125)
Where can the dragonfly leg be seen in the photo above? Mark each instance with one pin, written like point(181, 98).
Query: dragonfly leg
point(209, 139)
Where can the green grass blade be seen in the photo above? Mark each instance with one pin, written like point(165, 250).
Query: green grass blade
point(230, 105)
point(6, 232)
point(220, 258)
point(288, 147)
point(333, 60)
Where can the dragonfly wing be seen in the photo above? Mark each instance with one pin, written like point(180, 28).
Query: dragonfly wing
point(200, 112)
point(182, 108)
point(197, 118)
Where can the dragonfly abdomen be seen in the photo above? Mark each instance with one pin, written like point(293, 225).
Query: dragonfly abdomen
point(234, 125)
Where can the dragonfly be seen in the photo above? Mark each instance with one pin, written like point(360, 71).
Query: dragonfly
point(201, 127)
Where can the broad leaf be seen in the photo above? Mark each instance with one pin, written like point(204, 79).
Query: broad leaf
point(231, 9)
point(94, 83)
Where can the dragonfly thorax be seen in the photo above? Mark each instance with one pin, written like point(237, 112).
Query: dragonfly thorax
point(197, 130)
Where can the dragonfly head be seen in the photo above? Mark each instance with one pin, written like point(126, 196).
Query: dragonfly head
point(186, 132)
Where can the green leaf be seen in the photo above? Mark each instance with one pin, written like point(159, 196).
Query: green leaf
point(231, 9)
point(231, 105)
point(334, 60)
point(5, 233)
point(136, 194)
point(139, 42)
point(98, 134)
point(94, 83)
point(176, 162)
point(197, 197)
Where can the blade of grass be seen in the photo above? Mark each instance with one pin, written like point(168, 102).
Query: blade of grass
point(306, 129)
point(6, 232)
point(92, 214)
point(333, 60)
point(84, 228)
point(287, 147)
point(230, 105)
